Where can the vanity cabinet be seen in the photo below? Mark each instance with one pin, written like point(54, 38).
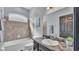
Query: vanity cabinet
point(43, 48)
point(38, 47)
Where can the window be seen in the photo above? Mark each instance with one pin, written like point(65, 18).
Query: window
point(66, 25)
point(17, 17)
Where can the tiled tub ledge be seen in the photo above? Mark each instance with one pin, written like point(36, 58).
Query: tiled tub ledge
point(16, 45)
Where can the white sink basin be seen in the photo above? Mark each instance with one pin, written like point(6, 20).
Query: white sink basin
point(50, 42)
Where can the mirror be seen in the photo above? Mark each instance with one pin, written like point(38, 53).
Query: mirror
point(51, 29)
point(0, 25)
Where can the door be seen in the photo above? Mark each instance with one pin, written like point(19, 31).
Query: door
point(76, 28)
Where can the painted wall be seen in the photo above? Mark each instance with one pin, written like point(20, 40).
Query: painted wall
point(53, 19)
point(37, 12)
point(1, 31)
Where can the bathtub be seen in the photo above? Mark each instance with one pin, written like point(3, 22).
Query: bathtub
point(17, 45)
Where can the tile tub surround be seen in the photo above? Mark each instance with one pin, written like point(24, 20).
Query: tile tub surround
point(14, 30)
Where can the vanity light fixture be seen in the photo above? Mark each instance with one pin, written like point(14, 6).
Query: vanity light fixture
point(48, 8)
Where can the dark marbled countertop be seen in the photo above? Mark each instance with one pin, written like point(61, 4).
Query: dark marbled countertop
point(60, 47)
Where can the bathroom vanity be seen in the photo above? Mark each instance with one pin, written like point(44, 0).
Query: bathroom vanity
point(40, 46)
